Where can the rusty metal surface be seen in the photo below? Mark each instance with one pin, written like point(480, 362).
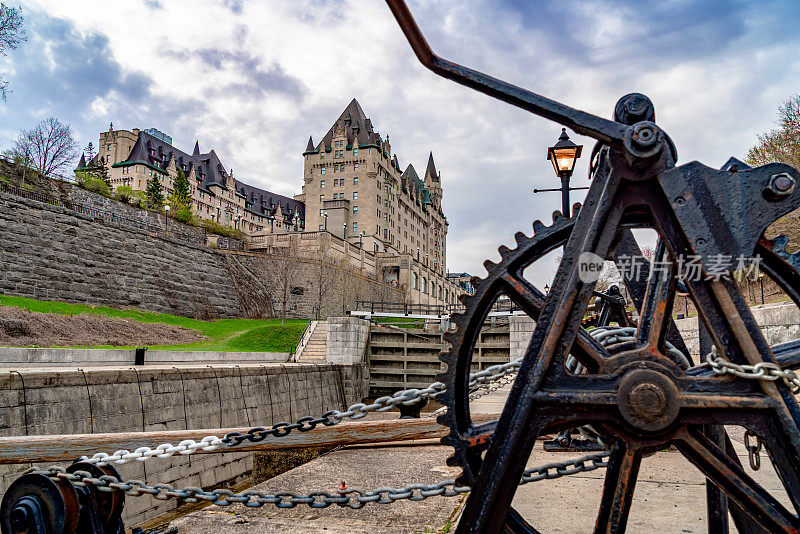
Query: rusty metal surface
point(637, 397)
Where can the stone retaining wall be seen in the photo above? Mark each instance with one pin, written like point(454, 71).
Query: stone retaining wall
point(51, 253)
point(14, 357)
point(146, 398)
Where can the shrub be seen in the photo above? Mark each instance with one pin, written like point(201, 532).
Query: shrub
point(214, 227)
point(184, 215)
point(124, 193)
point(92, 183)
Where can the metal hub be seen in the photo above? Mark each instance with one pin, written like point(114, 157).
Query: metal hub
point(648, 400)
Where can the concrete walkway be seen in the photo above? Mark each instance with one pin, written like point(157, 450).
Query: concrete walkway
point(669, 497)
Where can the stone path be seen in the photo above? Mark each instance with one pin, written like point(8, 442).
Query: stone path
point(670, 494)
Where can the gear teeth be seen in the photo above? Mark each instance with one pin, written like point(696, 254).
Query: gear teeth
point(576, 209)
point(464, 298)
point(489, 265)
point(520, 238)
point(557, 215)
point(503, 250)
point(538, 226)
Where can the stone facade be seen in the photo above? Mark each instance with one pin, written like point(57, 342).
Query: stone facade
point(49, 252)
point(149, 399)
point(133, 157)
point(354, 187)
point(52, 253)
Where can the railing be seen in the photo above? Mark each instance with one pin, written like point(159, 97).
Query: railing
point(303, 340)
point(373, 306)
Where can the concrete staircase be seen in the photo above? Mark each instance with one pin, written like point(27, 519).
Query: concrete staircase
point(317, 346)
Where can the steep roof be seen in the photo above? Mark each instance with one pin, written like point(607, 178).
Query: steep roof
point(267, 203)
point(82, 162)
point(431, 169)
point(209, 171)
point(357, 127)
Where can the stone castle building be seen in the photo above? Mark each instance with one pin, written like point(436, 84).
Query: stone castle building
point(389, 220)
point(133, 157)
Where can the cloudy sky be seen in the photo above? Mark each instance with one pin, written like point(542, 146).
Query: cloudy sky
point(254, 78)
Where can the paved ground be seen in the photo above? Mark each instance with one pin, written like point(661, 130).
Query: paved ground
point(669, 497)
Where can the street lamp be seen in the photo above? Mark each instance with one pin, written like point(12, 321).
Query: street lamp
point(344, 231)
point(166, 221)
point(325, 215)
point(360, 239)
point(761, 281)
point(563, 156)
point(546, 289)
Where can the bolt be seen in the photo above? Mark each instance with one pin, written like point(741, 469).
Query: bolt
point(644, 140)
point(700, 242)
point(680, 201)
point(780, 185)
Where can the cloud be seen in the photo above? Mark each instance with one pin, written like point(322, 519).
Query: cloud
point(254, 79)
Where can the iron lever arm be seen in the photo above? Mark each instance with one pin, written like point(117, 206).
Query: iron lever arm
point(604, 130)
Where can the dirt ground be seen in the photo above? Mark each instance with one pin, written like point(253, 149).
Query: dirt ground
point(22, 328)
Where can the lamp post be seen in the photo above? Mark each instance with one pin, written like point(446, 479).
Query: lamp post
point(360, 240)
point(563, 156)
point(546, 289)
point(761, 281)
point(166, 224)
point(325, 216)
point(344, 231)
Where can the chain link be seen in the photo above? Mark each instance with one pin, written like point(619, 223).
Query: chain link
point(349, 497)
point(768, 371)
point(753, 450)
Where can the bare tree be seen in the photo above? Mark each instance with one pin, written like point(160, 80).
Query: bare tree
point(781, 144)
point(283, 273)
point(11, 34)
point(49, 145)
point(323, 274)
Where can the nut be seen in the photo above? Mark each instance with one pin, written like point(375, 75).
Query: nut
point(780, 186)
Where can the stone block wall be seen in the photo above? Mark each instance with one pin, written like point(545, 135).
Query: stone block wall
point(779, 323)
point(128, 400)
point(51, 253)
point(348, 338)
point(520, 332)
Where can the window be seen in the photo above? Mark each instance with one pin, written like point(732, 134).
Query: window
point(109, 147)
point(322, 184)
point(440, 292)
point(355, 180)
point(322, 198)
point(321, 213)
point(320, 227)
point(355, 227)
point(335, 183)
point(355, 166)
point(385, 233)
point(355, 151)
point(416, 281)
point(322, 155)
point(424, 285)
point(355, 196)
point(322, 170)
point(355, 210)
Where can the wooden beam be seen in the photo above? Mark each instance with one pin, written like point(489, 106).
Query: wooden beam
point(68, 447)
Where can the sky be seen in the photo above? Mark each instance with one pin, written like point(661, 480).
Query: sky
point(252, 79)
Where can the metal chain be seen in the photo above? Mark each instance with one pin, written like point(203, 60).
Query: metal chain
point(350, 497)
point(753, 450)
point(768, 371)
point(304, 424)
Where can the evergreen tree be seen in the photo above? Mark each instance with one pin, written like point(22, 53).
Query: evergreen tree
point(155, 193)
point(98, 170)
point(180, 192)
point(89, 151)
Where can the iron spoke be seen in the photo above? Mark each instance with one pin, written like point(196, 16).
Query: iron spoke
point(729, 476)
point(621, 473)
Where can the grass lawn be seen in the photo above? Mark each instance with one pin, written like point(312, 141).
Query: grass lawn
point(234, 335)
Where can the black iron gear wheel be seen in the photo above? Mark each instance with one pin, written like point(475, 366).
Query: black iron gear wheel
point(467, 438)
